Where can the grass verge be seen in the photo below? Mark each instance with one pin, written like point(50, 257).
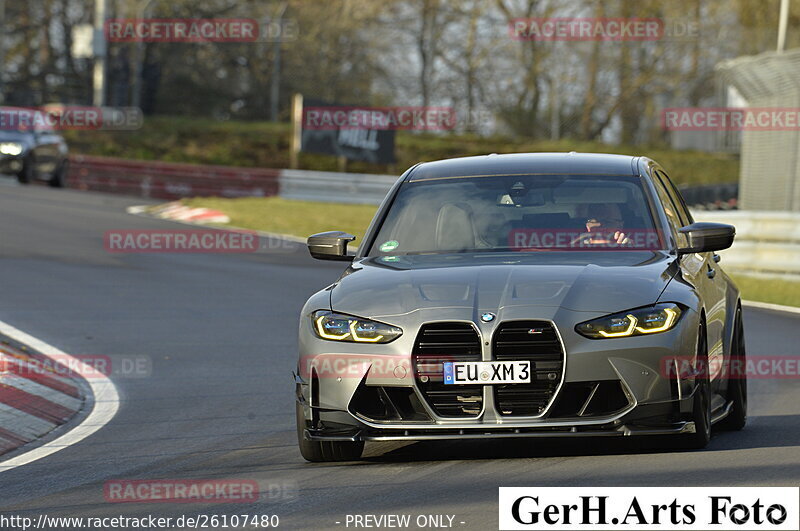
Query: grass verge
point(773, 290)
point(286, 216)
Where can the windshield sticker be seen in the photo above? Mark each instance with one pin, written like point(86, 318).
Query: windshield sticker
point(391, 245)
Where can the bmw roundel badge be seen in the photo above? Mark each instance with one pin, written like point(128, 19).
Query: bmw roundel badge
point(488, 317)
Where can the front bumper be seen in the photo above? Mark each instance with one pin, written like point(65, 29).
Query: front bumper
point(11, 163)
point(663, 418)
point(637, 398)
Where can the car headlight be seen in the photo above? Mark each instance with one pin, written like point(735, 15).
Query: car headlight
point(339, 327)
point(638, 322)
point(10, 148)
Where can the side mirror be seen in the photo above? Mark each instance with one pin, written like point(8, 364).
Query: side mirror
point(330, 245)
point(703, 237)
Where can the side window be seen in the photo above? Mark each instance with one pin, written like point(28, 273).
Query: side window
point(680, 204)
point(666, 202)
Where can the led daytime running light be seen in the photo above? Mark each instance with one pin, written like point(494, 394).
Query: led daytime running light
point(671, 316)
point(628, 331)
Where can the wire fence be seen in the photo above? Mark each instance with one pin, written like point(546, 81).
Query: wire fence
point(769, 157)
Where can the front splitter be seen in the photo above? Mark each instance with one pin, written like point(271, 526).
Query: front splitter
point(466, 434)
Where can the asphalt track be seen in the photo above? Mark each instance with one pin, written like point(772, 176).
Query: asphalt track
point(220, 331)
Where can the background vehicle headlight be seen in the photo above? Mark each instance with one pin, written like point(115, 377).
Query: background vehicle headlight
point(339, 327)
point(641, 321)
point(10, 148)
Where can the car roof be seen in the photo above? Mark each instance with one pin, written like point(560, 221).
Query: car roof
point(527, 164)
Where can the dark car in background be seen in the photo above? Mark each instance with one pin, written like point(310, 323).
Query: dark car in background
point(31, 148)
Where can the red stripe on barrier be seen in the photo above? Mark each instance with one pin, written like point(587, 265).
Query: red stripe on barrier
point(37, 375)
point(34, 405)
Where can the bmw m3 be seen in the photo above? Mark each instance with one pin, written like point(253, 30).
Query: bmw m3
point(523, 295)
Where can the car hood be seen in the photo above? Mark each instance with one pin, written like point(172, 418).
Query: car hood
point(579, 281)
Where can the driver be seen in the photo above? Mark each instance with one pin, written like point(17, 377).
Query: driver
point(604, 224)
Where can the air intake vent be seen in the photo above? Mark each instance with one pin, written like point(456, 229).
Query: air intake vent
point(537, 342)
point(436, 344)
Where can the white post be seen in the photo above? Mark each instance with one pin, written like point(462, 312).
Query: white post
point(782, 23)
point(99, 74)
point(297, 131)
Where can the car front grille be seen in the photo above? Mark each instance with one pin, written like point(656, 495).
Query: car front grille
point(436, 344)
point(537, 342)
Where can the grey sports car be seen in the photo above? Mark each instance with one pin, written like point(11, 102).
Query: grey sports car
point(524, 295)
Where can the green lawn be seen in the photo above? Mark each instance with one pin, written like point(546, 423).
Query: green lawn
point(286, 216)
point(266, 145)
point(774, 290)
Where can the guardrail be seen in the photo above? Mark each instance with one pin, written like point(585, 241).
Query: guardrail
point(335, 187)
point(766, 243)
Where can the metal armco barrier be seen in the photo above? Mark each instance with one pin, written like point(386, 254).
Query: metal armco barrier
point(766, 242)
point(168, 180)
point(335, 187)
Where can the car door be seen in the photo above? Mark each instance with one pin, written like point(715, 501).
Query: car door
point(701, 270)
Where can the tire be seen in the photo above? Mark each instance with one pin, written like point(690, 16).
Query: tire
point(325, 451)
point(25, 175)
point(701, 410)
point(737, 379)
point(59, 178)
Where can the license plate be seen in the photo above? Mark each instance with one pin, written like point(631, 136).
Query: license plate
point(487, 372)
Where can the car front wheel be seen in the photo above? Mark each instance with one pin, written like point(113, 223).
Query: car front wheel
point(701, 410)
point(25, 175)
point(737, 379)
point(59, 177)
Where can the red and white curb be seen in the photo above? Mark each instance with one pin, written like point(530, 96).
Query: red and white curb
point(178, 212)
point(35, 397)
point(150, 212)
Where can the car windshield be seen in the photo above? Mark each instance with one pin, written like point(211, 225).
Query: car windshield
point(518, 213)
